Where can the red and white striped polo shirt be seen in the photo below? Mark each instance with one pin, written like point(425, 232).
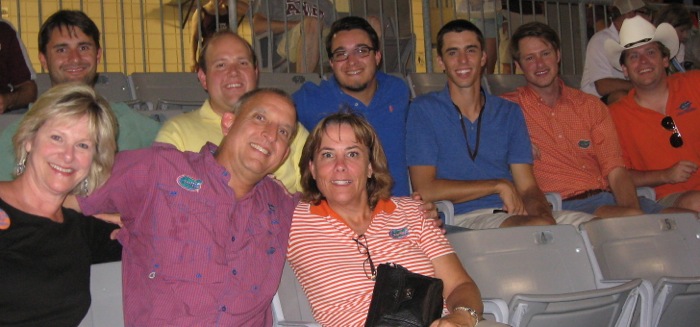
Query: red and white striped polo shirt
point(331, 269)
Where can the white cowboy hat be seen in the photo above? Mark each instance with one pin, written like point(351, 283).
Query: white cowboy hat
point(636, 32)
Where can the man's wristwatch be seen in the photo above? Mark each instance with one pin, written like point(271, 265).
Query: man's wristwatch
point(470, 311)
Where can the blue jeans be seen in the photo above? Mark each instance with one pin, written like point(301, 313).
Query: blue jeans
point(589, 205)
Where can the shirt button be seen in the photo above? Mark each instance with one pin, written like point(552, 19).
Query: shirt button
point(271, 250)
point(233, 238)
point(199, 275)
point(152, 275)
point(234, 272)
point(223, 308)
point(356, 104)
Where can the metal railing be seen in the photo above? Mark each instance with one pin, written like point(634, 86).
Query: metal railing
point(156, 36)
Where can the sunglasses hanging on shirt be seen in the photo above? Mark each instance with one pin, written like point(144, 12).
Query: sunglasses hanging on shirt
point(676, 139)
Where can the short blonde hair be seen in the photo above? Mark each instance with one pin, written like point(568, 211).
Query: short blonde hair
point(70, 102)
point(378, 186)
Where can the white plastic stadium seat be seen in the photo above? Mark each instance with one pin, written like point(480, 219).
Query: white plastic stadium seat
point(422, 83)
point(646, 192)
point(499, 84)
point(163, 95)
point(290, 307)
point(112, 86)
point(661, 248)
point(106, 290)
point(573, 81)
point(546, 276)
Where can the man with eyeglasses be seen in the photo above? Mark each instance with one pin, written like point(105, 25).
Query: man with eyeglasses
point(657, 122)
point(576, 149)
point(599, 78)
point(353, 48)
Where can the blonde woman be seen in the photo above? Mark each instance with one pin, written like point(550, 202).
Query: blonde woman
point(65, 145)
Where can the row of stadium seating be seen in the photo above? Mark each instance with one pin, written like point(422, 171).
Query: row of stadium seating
point(163, 95)
point(636, 271)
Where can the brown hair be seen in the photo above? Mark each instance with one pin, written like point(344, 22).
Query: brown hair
point(378, 186)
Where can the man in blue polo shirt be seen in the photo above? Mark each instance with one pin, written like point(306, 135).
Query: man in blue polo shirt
point(353, 49)
point(472, 148)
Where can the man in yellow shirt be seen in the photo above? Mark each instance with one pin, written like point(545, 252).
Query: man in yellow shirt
point(227, 70)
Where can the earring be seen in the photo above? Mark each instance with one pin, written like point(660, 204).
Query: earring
point(21, 165)
point(84, 187)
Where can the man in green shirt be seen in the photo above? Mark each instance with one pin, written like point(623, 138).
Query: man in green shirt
point(69, 49)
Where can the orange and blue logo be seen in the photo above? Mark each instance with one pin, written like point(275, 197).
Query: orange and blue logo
point(4, 220)
point(189, 183)
point(399, 233)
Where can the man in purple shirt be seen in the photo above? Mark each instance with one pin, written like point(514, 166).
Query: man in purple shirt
point(205, 234)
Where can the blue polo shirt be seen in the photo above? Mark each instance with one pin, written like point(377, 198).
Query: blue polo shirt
point(435, 138)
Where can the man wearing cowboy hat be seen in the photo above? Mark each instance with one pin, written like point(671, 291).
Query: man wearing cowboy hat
point(657, 121)
point(599, 78)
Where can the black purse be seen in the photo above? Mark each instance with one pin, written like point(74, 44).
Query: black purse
point(402, 298)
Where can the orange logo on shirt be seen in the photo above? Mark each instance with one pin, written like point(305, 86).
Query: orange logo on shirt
point(4, 220)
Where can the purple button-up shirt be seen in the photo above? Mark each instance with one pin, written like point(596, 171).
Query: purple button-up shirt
point(194, 255)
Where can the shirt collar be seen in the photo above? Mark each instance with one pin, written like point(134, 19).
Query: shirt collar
point(207, 112)
point(324, 210)
point(527, 92)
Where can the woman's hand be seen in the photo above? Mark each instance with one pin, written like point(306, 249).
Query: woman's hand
point(457, 319)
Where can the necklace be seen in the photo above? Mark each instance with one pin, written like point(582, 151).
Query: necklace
point(472, 155)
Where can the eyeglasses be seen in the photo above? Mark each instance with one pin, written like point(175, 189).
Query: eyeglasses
point(360, 52)
point(363, 248)
point(676, 139)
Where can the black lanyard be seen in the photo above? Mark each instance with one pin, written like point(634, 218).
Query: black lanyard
point(478, 128)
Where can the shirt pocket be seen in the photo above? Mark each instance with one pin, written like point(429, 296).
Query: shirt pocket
point(185, 215)
point(191, 262)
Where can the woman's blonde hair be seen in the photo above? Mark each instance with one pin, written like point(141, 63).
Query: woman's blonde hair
point(71, 102)
point(378, 186)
